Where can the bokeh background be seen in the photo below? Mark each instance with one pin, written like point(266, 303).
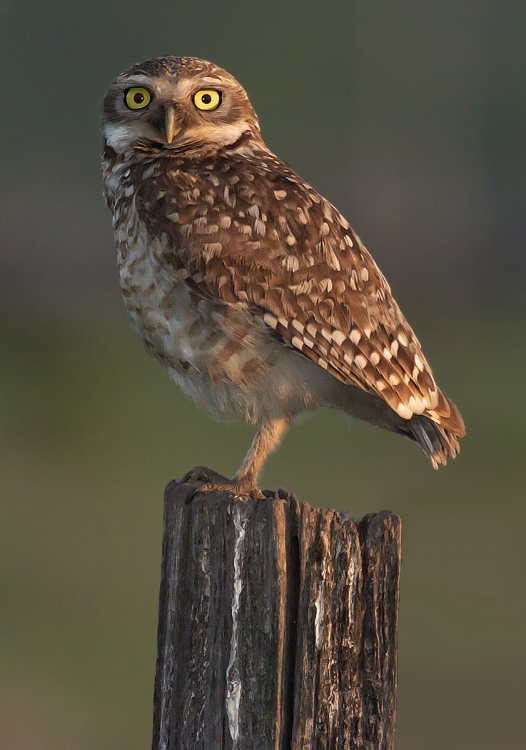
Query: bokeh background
point(410, 117)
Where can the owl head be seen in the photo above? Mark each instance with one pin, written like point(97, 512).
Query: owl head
point(176, 104)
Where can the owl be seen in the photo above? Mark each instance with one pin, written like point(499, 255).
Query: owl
point(249, 288)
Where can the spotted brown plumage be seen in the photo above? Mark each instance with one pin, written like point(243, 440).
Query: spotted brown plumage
point(249, 287)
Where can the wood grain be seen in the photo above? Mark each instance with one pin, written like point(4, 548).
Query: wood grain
point(277, 626)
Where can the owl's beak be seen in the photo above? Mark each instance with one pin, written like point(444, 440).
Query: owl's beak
point(171, 126)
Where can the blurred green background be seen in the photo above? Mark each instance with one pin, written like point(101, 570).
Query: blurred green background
point(410, 117)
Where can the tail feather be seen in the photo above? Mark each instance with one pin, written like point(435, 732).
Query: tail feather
point(436, 431)
point(437, 442)
point(447, 415)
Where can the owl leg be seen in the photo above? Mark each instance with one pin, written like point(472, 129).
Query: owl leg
point(244, 482)
point(267, 438)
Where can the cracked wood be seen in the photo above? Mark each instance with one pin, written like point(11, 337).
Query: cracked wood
point(277, 626)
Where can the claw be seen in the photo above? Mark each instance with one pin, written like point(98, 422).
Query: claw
point(210, 487)
point(253, 493)
point(214, 482)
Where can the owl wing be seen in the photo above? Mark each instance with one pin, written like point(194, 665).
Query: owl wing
point(265, 239)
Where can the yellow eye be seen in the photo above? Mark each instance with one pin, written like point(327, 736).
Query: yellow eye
point(207, 99)
point(137, 97)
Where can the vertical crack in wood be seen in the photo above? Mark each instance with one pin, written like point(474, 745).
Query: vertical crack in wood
point(166, 661)
point(233, 681)
point(380, 537)
point(291, 632)
point(277, 626)
point(321, 628)
point(319, 604)
point(348, 625)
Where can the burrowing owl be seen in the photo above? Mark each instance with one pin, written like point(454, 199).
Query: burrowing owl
point(249, 287)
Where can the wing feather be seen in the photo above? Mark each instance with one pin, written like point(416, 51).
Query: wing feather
point(267, 240)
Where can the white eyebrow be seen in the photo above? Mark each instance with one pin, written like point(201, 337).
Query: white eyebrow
point(211, 79)
point(141, 78)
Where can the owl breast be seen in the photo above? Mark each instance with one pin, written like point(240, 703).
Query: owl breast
point(160, 307)
point(219, 354)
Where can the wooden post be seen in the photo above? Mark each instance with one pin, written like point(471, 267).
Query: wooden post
point(277, 626)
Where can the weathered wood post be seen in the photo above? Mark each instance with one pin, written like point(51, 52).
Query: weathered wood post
point(277, 626)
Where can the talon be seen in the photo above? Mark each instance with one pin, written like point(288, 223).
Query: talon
point(211, 481)
point(224, 486)
point(254, 493)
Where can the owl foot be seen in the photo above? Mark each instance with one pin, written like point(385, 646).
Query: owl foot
point(254, 493)
point(214, 482)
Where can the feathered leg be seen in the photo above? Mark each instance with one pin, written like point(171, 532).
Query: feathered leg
point(244, 481)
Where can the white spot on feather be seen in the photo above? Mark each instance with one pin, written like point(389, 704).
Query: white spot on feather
point(291, 263)
point(270, 320)
point(416, 405)
point(212, 250)
point(325, 285)
point(297, 342)
point(360, 361)
point(404, 411)
point(355, 336)
point(338, 337)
